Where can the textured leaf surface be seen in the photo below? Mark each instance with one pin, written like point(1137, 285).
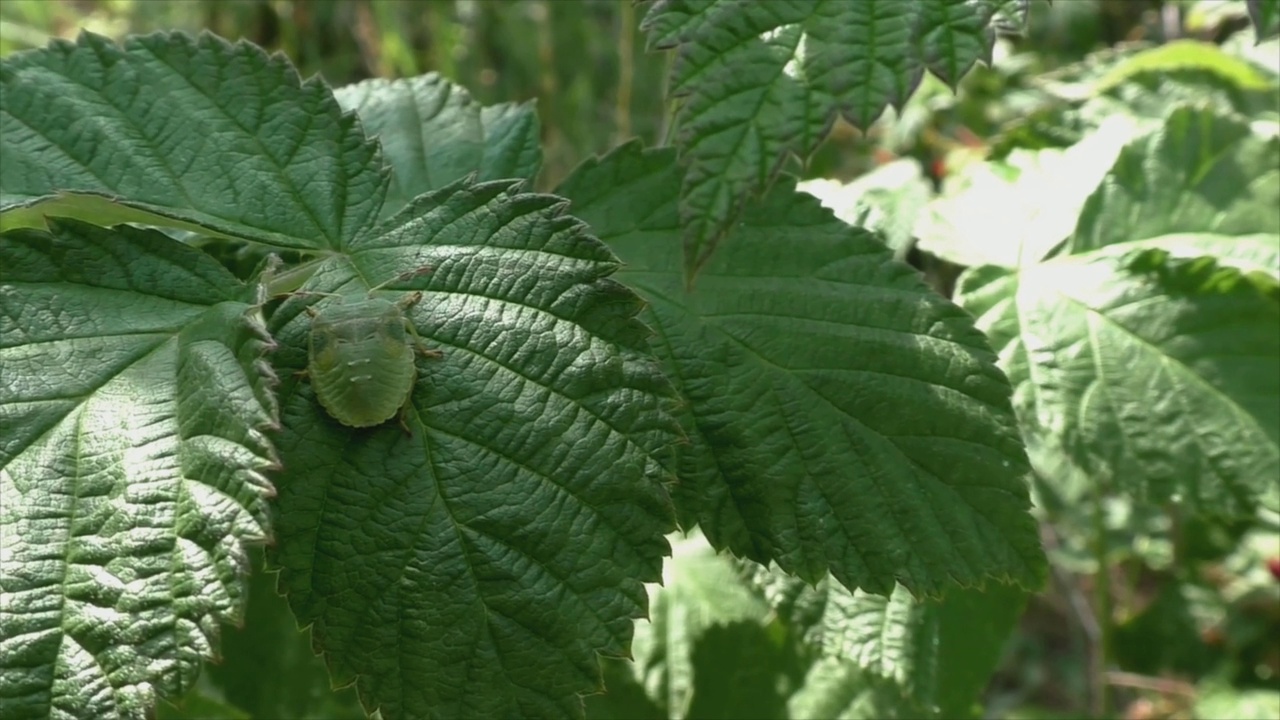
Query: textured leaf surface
point(759, 80)
point(1154, 372)
point(841, 417)
point(200, 131)
point(476, 567)
point(1149, 357)
point(937, 654)
point(131, 465)
point(433, 134)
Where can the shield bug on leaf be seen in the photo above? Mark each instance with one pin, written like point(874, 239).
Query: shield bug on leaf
point(360, 356)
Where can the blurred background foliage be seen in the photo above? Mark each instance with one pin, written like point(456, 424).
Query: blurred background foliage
point(1195, 600)
point(585, 60)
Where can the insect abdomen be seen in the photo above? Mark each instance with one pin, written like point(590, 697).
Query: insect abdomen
point(361, 381)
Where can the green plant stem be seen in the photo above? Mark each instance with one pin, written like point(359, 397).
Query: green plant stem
point(1104, 611)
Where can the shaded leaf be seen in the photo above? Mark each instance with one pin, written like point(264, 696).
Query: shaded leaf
point(1266, 17)
point(269, 644)
point(936, 654)
point(700, 590)
point(837, 688)
point(433, 134)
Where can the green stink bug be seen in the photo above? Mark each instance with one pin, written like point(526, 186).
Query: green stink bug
point(360, 357)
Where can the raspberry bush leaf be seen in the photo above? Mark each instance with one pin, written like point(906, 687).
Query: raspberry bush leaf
point(476, 566)
point(134, 402)
point(935, 654)
point(1145, 354)
point(481, 566)
point(433, 133)
point(841, 416)
point(185, 133)
point(758, 81)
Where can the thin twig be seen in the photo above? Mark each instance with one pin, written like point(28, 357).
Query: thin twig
point(1164, 686)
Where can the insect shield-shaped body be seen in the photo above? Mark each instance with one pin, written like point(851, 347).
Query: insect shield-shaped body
point(361, 358)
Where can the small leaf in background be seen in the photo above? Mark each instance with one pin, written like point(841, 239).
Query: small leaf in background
point(1265, 15)
point(134, 400)
point(197, 131)
point(841, 416)
point(1013, 211)
point(759, 81)
point(476, 566)
point(434, 134)
point(1145, 353)
point(1154, 372)
point(1201, 172)
point(1217, 701)
point(1143, 86)
point(700, 590)
point(936, 654)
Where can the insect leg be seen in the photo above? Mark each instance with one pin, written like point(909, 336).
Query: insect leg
point(419, 345)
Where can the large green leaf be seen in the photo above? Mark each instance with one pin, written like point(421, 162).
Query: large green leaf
point(433, 134)
point(475, 567)
point(759, 80)
point(199, 132)
point(133, 399)
point(1147, 370)
point(841, 416)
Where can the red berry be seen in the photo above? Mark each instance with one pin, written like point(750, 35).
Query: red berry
point(1274, 566)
